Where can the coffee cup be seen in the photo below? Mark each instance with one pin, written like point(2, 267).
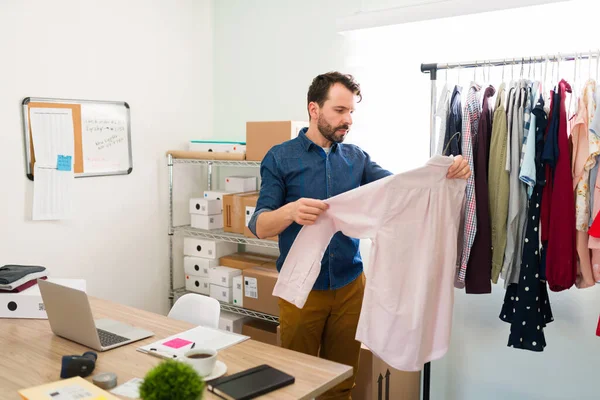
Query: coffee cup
point(203, 360)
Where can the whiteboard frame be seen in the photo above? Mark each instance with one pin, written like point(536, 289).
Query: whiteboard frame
point(26, 132)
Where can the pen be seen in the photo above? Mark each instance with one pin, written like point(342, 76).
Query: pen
point(155, 353)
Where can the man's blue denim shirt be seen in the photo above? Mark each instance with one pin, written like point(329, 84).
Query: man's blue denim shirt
point(299, 168)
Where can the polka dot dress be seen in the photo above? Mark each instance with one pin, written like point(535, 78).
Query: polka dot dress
point(526, 305)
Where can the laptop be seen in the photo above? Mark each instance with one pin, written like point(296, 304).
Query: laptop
point(70, 317)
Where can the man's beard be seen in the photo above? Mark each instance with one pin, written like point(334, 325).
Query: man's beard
point(328, 131)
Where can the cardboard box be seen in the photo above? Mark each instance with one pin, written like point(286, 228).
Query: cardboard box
point(28, 303)
point(231, 322)
point(202, 206)
point(204, 248)
point(402, 385)
point(224, 294)
point(233, 212)
point(261, 331)
point(223, 276)
point(262, 135)
point(245, 260)
point(207, 222)
point(259, 283)
point(240, 184)
point(238, 291)
point(249, 205)
point(217, 147)
point(197, 284)
point(198, 266)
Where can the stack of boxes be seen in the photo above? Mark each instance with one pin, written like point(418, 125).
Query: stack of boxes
point(200, 256)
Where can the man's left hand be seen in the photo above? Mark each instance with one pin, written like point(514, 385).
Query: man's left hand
point(459, 169)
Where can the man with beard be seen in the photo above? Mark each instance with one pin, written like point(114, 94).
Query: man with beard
point(296, 176)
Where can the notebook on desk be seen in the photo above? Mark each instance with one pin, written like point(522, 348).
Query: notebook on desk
point(251, 383)
point(200, 337)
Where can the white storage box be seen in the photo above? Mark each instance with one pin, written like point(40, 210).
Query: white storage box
point(202, 206)
point(207, 248)
point(206, 222)
point(197, 284)
point(28, 303)
point(215, 195)
point(223, 276)
point(238, 291)
point(198, 266)
point(231, 322)
point(237, 184)
point(217, 147)
point(221, 293)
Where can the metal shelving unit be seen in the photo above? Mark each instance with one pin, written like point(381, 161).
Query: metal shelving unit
point(217, 234)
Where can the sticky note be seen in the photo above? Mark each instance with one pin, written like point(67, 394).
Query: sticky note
point(176, 343)
point(63, 163)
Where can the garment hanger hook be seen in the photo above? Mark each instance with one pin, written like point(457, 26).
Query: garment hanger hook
point(529, 70)
point(546, 68)
point(503, 66)
point(475, 72)
point(522, 66)
point(512, 70)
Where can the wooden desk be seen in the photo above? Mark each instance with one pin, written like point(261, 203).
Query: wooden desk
point(31, 355)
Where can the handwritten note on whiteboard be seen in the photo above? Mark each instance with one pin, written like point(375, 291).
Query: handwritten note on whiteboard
point(104, 136)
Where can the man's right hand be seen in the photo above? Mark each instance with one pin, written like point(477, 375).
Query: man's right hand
point(306, 211)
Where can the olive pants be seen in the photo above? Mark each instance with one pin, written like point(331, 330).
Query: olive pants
point(326, 327)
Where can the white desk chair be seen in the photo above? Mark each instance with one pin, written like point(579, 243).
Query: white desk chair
point(197, 309)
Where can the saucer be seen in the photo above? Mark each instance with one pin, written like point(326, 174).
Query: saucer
point(219, 370)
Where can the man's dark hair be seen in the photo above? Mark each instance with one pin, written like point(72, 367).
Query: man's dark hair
point(319, 88)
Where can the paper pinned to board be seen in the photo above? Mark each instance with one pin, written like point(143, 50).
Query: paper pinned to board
point(52, 194)
point(54, 145)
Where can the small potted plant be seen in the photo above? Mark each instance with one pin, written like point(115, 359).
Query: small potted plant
point(172, 380)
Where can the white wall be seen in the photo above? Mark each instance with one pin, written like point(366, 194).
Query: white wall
point(265, 56)
point(156, 55)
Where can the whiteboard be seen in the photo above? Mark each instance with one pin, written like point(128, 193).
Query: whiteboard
point(102, 135)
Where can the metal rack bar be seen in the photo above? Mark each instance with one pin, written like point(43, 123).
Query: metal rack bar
point(219, 234)
point(432, 67)
point(218, 163)
point(171, 281)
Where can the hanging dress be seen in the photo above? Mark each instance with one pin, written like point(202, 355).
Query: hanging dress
point(526, 304)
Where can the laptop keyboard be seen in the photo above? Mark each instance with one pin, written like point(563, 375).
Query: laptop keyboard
point(108, 338)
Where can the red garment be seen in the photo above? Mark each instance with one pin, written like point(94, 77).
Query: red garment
point(561, 261)
point(598, 328)
point(595, 228)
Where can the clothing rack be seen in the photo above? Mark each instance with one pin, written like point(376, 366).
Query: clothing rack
point(432, 68)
